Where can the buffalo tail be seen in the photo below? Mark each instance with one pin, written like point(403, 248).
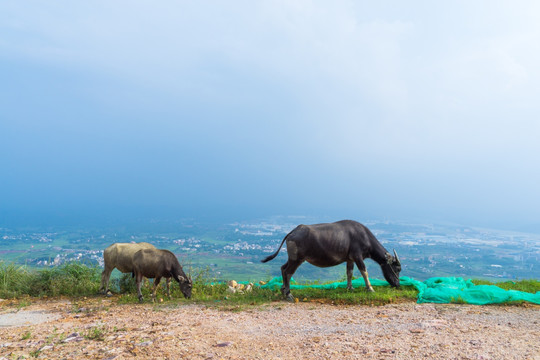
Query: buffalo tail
point(268, 258)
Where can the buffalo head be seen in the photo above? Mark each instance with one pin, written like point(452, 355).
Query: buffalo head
point(391, 269)
point(185, 285)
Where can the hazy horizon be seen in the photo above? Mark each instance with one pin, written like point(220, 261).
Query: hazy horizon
point(420, 111)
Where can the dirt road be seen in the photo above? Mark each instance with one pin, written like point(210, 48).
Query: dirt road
point(100, 329)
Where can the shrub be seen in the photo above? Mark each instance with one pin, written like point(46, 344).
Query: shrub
point(72, 279)
point(15, 280)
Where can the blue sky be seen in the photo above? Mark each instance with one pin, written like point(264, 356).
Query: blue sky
point(345, 109)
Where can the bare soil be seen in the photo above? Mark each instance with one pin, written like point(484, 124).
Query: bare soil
point(98, 328)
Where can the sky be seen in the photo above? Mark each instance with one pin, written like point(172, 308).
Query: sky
point(346, 109)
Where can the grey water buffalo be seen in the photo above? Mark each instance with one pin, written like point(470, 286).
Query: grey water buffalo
point(155, 264)
point(326, 245)
point(119, 256)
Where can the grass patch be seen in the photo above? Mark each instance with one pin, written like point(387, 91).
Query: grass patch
point(530, 285)
point(70, 279)
point(96, 333)
point(78, 280)
point(458, 300)
point(15, 280)
point(382, 295)
point(217, 295)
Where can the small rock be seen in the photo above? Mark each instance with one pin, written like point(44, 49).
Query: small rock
point(231, 290)
point(436, 323)
point(475, 342)
point(146, 343)
point(224, 344)
point(232, 283)
point(73, 337)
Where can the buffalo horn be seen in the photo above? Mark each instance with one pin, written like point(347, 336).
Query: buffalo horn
point(181, 278)
point(397, 258)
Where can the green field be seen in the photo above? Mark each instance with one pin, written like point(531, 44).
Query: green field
point(234, 251)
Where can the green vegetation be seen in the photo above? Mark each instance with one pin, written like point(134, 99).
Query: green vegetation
point(78, 280)
point(530, 286)
point(96, 333)
point(458, 300)
point(70, 279)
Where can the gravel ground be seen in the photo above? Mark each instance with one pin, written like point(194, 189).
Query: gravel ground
point(101, 329)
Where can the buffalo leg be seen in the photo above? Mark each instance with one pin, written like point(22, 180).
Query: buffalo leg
point(138, 279)
point(154, 288)
point(283, 267)
point(350, 268)
point(363, 271)
point(168, 284)
point(287, 271)
point(105, 276)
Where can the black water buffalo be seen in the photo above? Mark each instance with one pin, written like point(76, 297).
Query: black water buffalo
point(157, 263)
point(331, 244)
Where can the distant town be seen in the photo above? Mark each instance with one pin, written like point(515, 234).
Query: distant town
point(234, 250)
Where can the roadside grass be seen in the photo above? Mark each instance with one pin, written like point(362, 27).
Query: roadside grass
point(70, 279)
point(359, 296)
point(80, 280)
point(530, 285)
point(216, 295)
point(212, 293)
point(14, 280)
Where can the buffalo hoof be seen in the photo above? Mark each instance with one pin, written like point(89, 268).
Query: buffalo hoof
point(108, 293)
point(370, 289)
point(141, 299)
point(350, 288)
point(289, 298)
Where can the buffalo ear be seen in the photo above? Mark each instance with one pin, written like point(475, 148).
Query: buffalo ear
point(181, 278)
point(389, 258)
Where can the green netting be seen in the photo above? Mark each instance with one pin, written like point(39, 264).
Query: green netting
point(452, 289)
point(442, 290)
point(276, 283)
